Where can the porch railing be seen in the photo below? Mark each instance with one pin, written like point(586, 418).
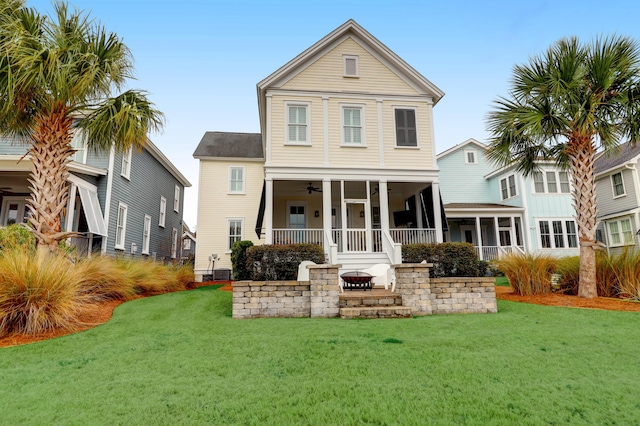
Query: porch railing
point(413, 235)
point(496, 252)
point(298, 236)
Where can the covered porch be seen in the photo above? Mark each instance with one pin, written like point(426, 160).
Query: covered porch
point(494, 230)
point(351, 215)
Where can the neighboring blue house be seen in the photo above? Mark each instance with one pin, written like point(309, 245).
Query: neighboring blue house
point(120, 203)
point(618, 192)
point(500, 211)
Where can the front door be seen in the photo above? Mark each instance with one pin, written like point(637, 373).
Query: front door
point(469, 234)
point(358, 219)
point(296, 219)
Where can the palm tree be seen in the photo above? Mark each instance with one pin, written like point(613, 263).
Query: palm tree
point(566, 106)
point(58, 75)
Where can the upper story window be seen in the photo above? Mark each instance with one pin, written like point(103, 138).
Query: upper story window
point(353, 125)
point(471, 156)
point(617, 183)
point(163, 211)
point(508, 187)
point(620, 232)
point(406, 134)
point(80, 146)
point(552, 182)
point(236, 180)
point(126, 164)
point(298, 123)
point(176, 199)
point(350, 63)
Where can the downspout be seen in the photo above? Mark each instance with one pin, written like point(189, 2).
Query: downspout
point(525, 204)
point(107, 202)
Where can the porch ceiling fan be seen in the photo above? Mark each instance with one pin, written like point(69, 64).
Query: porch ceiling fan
point(312, 188)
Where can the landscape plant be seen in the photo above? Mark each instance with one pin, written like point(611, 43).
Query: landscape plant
point(564, 106)
point(449, 259)
point(528, 273)
point(58, 75)
point(280, 261)
point(241, 271)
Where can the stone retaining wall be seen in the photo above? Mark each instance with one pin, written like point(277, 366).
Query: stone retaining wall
point(463, 295)
point(318, 297)
point(413, 284)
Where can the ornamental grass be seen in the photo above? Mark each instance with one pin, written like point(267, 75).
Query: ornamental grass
point(41, 292)
point(528, 274)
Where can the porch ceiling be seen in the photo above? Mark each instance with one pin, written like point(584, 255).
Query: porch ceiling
point(14, 183)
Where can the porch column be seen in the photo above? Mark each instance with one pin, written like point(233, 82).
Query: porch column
point(512, 231)
point(326, 206)
point(496, 230)
point(268, 211)
point(479, 238)
point(435, 191)
point(418, 196)
point(384, 205)
point(71, 208)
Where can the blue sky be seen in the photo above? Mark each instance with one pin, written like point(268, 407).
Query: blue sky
point(200, 60)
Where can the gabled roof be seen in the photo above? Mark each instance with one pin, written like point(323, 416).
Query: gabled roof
point(229, 145)
point(162, 159)
point(363, 37)
point(455, 148)
point(626, 153)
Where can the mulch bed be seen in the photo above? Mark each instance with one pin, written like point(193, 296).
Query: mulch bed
point(103, 311)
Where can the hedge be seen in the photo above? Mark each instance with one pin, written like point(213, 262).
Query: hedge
point(449, 259)
point(239, 260)
point(280, 262)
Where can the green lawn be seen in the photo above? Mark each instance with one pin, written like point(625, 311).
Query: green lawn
point(180, 358)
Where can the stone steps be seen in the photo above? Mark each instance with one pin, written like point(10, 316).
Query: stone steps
point(376, 312)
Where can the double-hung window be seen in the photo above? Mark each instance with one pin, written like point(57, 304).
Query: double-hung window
point(125, 171)
point(174, 242)
point(406, 134)
point(236, 180)
point(163, 211)
point(552, 182)
point(618, 185)
point(176, 199)
point(352, 125)
point(235, 231)
point(508, 187)
point(297, 123)
point(121, 226)
point(146, 234)
point(558, 233)
point(620, 232)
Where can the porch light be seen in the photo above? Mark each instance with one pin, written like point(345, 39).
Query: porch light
point(317, 214)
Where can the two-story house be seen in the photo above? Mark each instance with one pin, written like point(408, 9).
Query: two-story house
point(618, 192)
point(345, 159)
point(501, 211)
point(120, 203)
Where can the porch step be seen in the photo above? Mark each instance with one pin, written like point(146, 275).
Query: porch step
point(376, 312)
point(373, 298)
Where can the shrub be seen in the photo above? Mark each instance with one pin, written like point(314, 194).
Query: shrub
point(449, 259)
point(239, 260)
point(528, 274)
point(280, 262)
point(16, 236)
point(610, 273)
point(569, 271)
point(626, 269)
point(483, 268)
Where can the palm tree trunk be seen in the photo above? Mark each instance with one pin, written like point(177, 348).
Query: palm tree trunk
point(581, 154)
point(50, 153)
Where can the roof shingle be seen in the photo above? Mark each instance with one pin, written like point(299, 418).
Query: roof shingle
point(230, 145)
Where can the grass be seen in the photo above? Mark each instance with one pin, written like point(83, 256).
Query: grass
point(180, 358)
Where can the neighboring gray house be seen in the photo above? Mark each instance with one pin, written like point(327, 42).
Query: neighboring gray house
point(188, 242)
point(618, 193)
point(120, 203)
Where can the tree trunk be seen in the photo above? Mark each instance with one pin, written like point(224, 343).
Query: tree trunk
point(581, 154)
point(50, 153)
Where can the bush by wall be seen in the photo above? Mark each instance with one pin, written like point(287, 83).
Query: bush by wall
point(239, 260)
point(15, 236)
point(449, 259)
point(528, 274)
point(280, 262)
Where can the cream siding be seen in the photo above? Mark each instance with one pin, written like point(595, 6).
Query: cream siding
point(353, 156)
point(407, 158)
point(215, 205)
point(326, 74)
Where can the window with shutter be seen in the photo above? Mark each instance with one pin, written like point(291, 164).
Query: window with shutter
point(406, 127)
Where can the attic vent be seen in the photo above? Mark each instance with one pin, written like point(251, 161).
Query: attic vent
point(350, 65)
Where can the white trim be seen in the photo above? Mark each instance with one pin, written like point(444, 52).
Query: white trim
point(107, 202)
point(176, 199)
point(508, 187)
point(162, 219)
point(146, 239)
point(125, 165)
point(545, 182)
point(242, 180)
point(466, 156)
point(174, 243)
point(297, 203)
point(229, 220)
point(123, 225)
point(305, 94)
point(380, 132)
point(613, 186)
point(395, 125)
point(325, 128)
point(307, 105)
point(565, 235)
point(345, 58)
point(363, 137)
point(619, 221)
point(267, 136)
point(158, 155)
point(453, 149)
point(81, 182)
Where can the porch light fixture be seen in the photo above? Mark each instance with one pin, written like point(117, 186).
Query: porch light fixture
point(316, 213)
point(362, 213)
